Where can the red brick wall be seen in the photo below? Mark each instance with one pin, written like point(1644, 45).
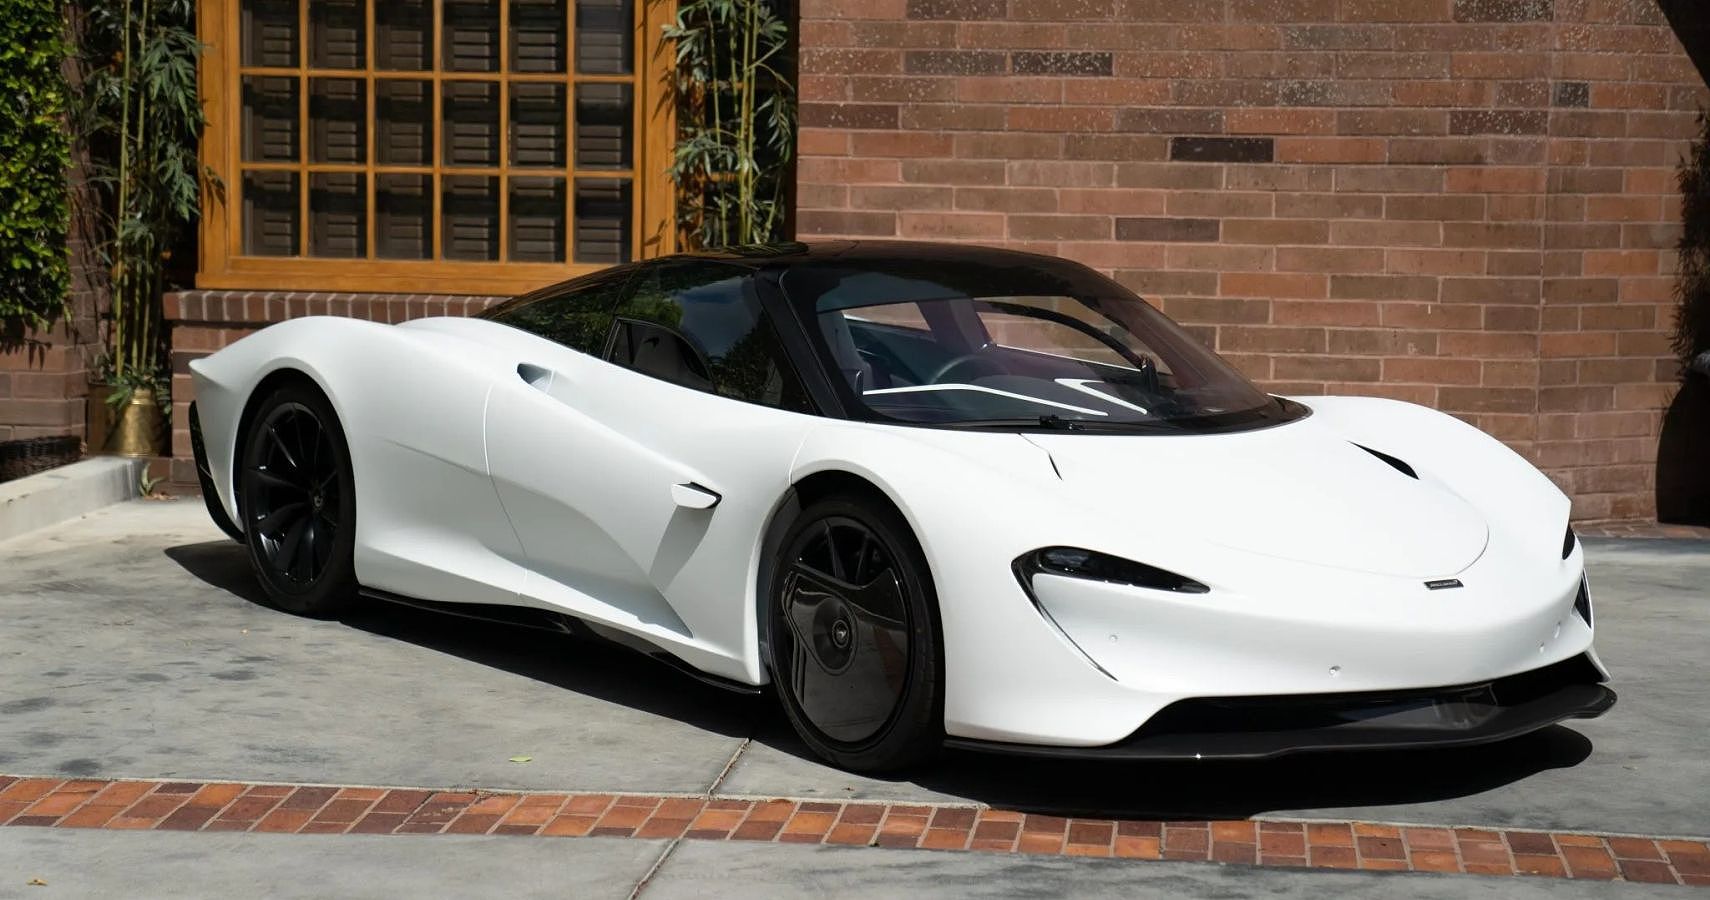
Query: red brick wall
point(1463, 203)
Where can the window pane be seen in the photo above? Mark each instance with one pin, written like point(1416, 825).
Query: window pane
point(338, 215)
point(471, 36)
point(728, 339)
point(404, 117)
point(537, 219)
point(602, 220)
point(537, 35)
point(471, 123)
point(604, 113)
point(537, 125)
point(577, 316)
point(403, 38)
point(470, 208)
point(338, 120)
point(269, 33)
point(403, 223)
point(604, 42)
point(336, 32)
point(270, 211)
point(269, 119)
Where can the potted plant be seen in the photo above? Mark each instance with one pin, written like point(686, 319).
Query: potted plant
point(140, 121)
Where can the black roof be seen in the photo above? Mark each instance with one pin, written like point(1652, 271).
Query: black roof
point(783, 255)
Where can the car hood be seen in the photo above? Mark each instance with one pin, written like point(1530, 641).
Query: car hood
point(1300, 492)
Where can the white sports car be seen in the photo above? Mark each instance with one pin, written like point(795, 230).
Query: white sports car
point(934, 494)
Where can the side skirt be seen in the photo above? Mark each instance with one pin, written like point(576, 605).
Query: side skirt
point(566, 624)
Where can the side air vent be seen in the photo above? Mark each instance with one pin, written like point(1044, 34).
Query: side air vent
point(1394, 463)
point(1568, 543)
point(1582, 602)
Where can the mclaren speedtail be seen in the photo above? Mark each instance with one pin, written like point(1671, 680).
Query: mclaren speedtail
point(930, 494)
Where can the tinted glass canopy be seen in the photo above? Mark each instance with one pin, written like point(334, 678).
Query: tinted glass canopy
point(916, 334)
point(1015, 342)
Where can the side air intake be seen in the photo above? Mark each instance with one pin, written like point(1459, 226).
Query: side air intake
point(1396, 464)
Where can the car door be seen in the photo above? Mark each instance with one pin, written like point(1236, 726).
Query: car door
point(640, 483)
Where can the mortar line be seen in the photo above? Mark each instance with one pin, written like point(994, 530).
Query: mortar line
point(647, 877)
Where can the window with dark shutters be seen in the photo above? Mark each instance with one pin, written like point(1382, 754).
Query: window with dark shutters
point(481, 146)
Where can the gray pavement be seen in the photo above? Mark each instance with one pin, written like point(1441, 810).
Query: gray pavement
point(132, 646)
point(121, 864)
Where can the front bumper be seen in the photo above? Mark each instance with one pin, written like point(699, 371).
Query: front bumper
point(1251, 728)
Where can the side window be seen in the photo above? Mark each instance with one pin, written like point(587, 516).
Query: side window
point(724, 342)
point(660, 352)
point(577, 315)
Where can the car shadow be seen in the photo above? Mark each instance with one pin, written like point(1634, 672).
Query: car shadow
point(1114, 789)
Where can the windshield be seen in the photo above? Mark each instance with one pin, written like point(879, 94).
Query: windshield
point(1056, 350)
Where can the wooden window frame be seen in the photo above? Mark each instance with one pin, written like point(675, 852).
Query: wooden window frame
point(221, 264)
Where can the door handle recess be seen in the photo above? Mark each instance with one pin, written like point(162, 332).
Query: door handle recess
point(690, 495)
point(534, 376)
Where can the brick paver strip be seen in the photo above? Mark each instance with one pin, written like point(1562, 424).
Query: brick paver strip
point(314, 809)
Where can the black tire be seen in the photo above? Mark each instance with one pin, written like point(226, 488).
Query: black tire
point(297, 498)
point(837, 614)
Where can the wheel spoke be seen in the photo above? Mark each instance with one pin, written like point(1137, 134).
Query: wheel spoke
point(275, 480)
point(275, 521)
point(301, 422)
point(285, 558)
point(831, 551)
point(279, 442)
point(309, 555)
point(878, 601)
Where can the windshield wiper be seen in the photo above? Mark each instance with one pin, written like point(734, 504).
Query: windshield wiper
point(1053, 422)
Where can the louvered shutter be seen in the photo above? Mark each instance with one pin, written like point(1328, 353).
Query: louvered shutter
point(403, 223)
point(537, 35)
point(604, 36)
point(270, 213)
point(602, 220)
point(269, 30)
point(470, 210)
point(537, 219)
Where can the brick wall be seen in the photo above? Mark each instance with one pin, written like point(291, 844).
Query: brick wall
point(1463, 203)
point(201, 322)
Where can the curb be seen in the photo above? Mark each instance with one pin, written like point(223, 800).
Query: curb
point(205, 806)
point(62, 494)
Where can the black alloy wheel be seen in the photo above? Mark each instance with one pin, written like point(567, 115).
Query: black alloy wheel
point(853, 636)
point(297, 503)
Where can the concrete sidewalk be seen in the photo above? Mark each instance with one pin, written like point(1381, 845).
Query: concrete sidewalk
point(133, 647)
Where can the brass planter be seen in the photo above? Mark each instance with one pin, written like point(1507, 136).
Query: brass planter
point(136, 427)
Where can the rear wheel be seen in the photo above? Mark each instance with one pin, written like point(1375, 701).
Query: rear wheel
point(298, 504)
point(854, 636)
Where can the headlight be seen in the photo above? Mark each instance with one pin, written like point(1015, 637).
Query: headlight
point(1073, 562)
point(1569, 542)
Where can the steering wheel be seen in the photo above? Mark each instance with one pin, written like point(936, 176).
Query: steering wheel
point(976, 357)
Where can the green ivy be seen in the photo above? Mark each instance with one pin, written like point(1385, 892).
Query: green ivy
point(1692, 322)
point(35, 156)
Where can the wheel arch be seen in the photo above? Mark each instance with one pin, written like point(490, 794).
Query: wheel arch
point(803, 492)
point(282, 376)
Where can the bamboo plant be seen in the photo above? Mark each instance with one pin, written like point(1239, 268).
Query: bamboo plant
point(140, 121)
point(735, 120)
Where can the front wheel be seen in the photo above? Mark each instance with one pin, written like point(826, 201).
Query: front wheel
point(298, 502)
point(853, 637)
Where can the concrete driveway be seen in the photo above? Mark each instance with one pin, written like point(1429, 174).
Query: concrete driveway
point(133, 647)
